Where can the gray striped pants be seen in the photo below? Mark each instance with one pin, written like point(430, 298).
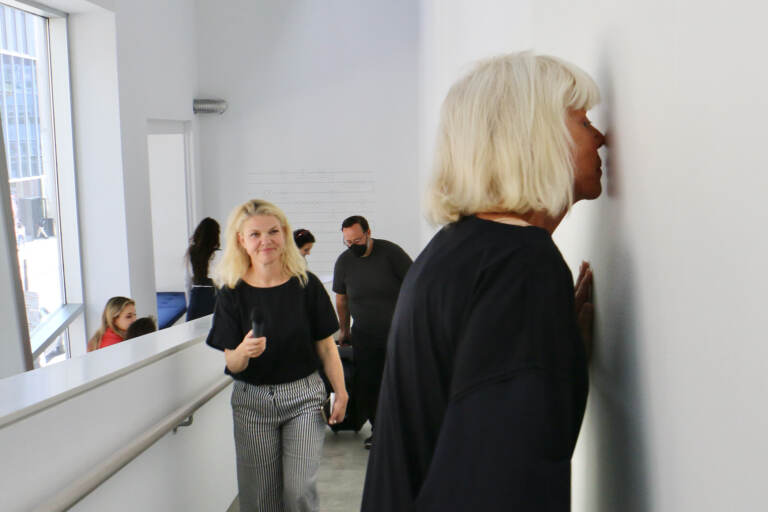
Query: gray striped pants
point(279, 434)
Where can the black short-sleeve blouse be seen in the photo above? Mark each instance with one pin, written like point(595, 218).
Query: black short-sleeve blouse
point(295, 317)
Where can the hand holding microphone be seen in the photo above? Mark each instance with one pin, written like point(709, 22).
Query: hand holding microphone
point(254, 344)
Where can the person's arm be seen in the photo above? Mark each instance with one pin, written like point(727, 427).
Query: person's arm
point(342, 309)
point(342, 305)
point(187, 280)
point(401, 262)
point(504, 443)
point(237, 359)
point(225, 331)
point(329, 355)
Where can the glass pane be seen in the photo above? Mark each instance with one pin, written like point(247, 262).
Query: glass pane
point(26, 117)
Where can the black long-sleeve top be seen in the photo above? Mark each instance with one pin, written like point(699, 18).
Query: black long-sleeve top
point(485, 383)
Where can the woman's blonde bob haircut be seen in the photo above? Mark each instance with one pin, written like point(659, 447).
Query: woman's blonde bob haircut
point(235, 261)
point(503, 144)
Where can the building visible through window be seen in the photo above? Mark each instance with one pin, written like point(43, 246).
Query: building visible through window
point(27, 121)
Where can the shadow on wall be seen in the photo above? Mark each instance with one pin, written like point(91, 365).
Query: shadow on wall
point(618, 474)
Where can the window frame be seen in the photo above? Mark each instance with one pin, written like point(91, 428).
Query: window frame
point(69, 319)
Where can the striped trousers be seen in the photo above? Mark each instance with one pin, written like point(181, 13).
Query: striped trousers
point(279, 434)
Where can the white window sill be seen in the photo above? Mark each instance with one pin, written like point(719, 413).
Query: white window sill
point(50, 329)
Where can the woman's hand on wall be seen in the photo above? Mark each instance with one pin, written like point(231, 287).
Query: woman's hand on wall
point(585, 309)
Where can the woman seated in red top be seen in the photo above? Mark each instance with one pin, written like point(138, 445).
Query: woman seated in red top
point(118, 315)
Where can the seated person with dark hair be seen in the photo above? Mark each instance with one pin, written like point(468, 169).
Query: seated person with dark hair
point(140, 327)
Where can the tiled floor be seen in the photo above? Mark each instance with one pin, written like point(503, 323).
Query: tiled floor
point(342, 472)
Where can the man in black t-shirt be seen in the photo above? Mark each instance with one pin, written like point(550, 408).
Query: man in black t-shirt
point(366, 280)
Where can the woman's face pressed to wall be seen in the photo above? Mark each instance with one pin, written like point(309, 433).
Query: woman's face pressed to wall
point(262, 238)
point(586, 162)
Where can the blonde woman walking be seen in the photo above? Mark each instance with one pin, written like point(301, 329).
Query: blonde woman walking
point(277, 395)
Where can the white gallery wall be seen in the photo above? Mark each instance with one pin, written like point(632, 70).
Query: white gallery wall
point(132, 62)
point(157, 70)
point(45, 451)
point(98, 161)
point(323, 114)
point(453, 35)
point(675, 420)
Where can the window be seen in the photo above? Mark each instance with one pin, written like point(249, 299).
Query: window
point(27, 109)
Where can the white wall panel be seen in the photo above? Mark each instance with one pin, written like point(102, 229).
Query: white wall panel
point(158, 79)
point(129, 66)
point(313, 87)
point(673, 421)
point(98, 162)
point(167, 178)
point(193, 469)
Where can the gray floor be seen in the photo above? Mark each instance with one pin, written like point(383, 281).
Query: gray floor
point(342, 472)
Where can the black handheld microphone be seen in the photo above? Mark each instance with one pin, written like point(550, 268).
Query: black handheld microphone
point(257, 323)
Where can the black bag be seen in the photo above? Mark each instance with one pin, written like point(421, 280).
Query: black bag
point(353, 420)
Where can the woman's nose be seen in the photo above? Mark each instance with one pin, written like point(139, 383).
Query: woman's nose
point(600, 138)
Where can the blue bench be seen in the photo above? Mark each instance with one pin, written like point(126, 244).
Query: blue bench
point(170, 307)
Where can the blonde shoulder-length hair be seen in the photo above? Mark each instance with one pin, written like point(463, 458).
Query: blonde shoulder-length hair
point(235, 261)
point(503, 144)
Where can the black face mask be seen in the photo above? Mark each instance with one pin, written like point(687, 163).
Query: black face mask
point(358, 249)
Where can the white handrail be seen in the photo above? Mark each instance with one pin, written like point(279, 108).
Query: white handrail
point(84, 485)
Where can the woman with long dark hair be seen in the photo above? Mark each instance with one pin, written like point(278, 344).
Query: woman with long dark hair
point(201, 289)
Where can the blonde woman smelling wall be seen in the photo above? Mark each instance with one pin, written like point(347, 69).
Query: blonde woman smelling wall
point(486, 378)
